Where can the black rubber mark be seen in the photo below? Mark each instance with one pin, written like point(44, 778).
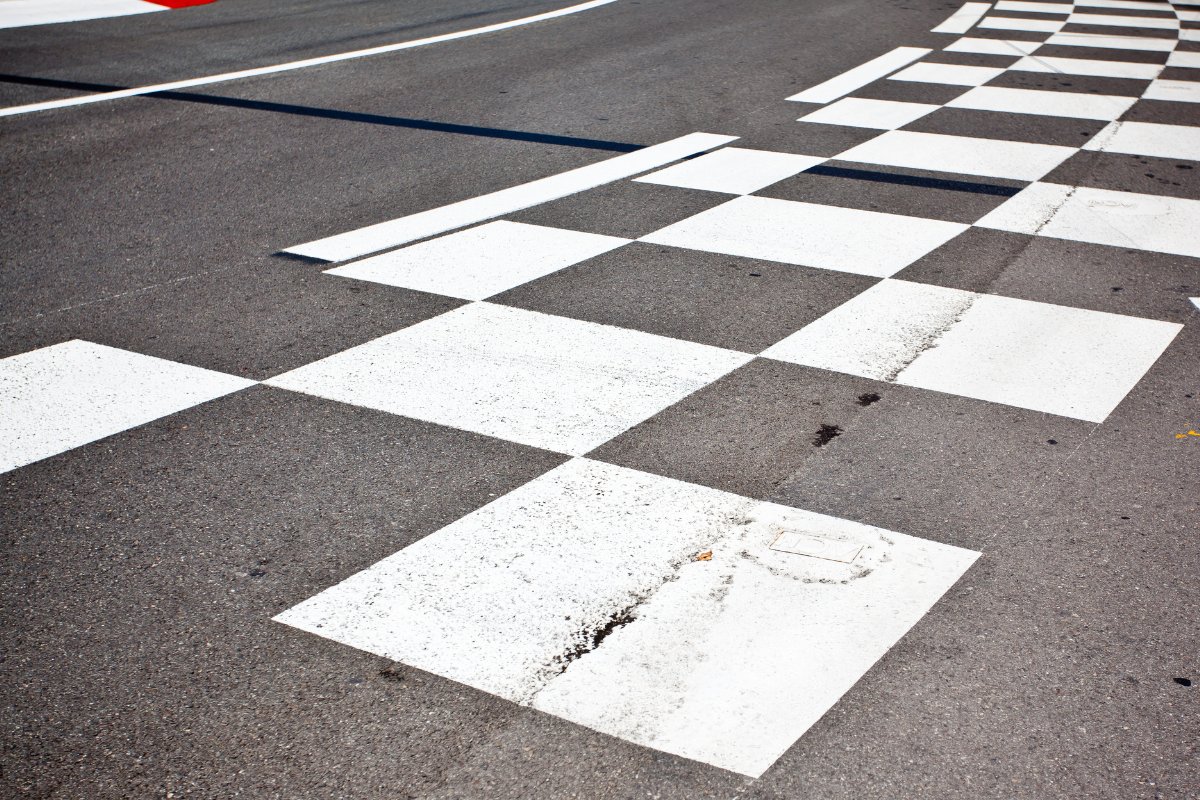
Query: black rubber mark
point(1183, 681)
point(826, 434)
point(1118, 288)
point(1124, 517)
point(257, 573)
point(913, 180)
point(593, 638)
point(1183, 166)
point(394, 673)
point(865, 400)
point(755, 274)
point(1052, 441)
point(347, 116)
point(300, 258)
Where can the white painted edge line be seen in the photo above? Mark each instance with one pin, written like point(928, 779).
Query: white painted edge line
point(964, 19)
point(1195, 301)
point(308, 62)
point(861, 75)
point(395, 232)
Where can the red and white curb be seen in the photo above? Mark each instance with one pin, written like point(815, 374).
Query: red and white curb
point(19, 13)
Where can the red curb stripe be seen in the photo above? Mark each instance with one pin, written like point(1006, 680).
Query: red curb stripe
point(180, 3)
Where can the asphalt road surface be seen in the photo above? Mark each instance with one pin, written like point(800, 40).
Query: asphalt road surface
point(664, 399)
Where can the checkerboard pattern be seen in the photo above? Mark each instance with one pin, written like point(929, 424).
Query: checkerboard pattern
point(655, 609)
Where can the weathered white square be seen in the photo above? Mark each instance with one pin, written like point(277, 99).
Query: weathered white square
point(1066, 361)
point(993, 158)
point(726, 661)
point(827, 237)
point(480, 262)
point(733, 170)
point(540, 380)
point(65, 396)
point(857, 112)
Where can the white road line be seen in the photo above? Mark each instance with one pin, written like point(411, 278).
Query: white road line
point(732, 170)
point(1101, 216)
point(861, 75)
point(477, 263)
point(393, 233)
point(1189, 35)
point(997, 47)
point(1112, 20)
point(1180, 58)
point(993, 158)
point(962, 20)
point(20, 13)
point(540, 380)
point(1114, 42)
point(1035, 8)
point(65, 396)
point(294, 65)
point(857, 112)
point(1195, 301)
point(1022, 24)
point(1188, 16)
point(826, 237)
point(953, 74)
point(1083, 66)
point(726, 661)
point(1052, 104)
point(1178, 91)
point(1148, 139)
point(1059, 360)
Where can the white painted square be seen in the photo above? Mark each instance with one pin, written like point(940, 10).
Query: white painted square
point(827, 237)
point(732, 170)
point(994, 47)
point(994, 158)
point(1134, 5)
point(727, 661)
point(1022, 24)
point(1177, 91)
point(1180, 58)
point(1101, 216)
point(1051, 104)
point(1035, 8)
point(61, 397)
point(480, 262)
point(540, 380)
point(857, 112)
point(1083, 66)
point(1148, 139)
point(954, 74)
point(1113, 20)
point(1059, 360)
point(1114, 42)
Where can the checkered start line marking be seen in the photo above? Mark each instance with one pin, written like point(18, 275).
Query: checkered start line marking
point(580, 593)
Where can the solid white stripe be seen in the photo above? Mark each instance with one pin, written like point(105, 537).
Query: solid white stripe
point(732, 170)
point(726, 661)
point(19, 13)
point(400, 231)
point(960, 154)
point(1053, 104)
point(1082, 66)
point(1114, 42)
point(861, 75)
point(861, 113)
point(1148, 139)
point(62, 397)
point(962, 20)
point(1102, 216)
point(308, 62)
